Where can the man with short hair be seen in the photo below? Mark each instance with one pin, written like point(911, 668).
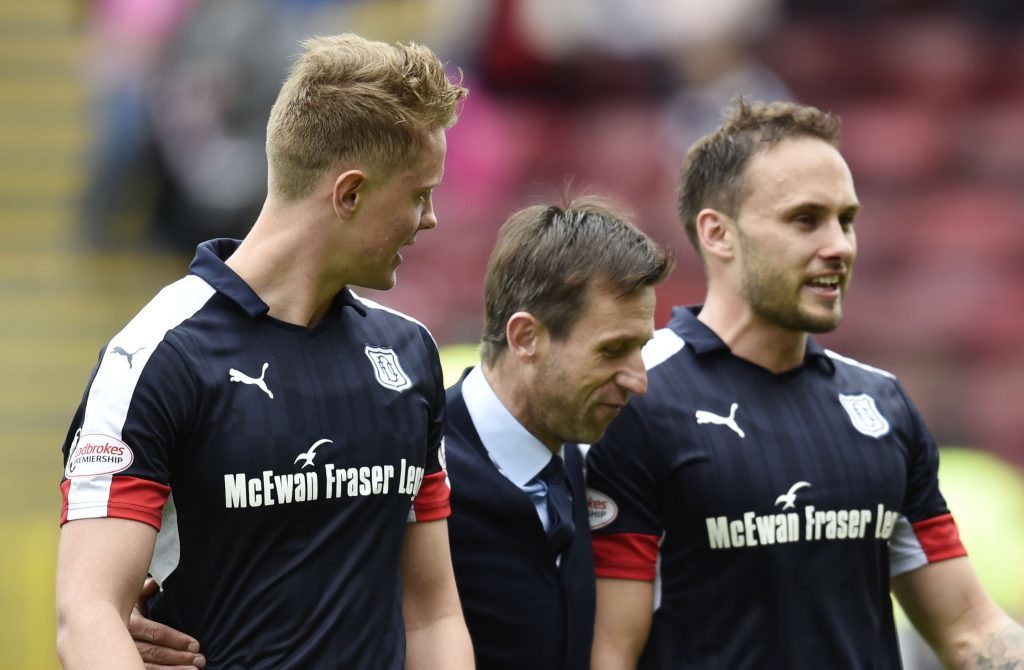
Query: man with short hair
point(263, 442)
point(754, 509)
point(569, 303)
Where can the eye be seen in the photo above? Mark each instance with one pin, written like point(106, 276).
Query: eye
point(613, 350)
point(846, 221)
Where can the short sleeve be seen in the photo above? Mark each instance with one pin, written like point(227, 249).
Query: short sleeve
point(926, 532)
point(119, 447)
point(432, 501)
point(623, 499)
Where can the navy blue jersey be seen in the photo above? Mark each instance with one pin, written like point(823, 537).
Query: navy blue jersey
point(280, 465)
point(772, 508)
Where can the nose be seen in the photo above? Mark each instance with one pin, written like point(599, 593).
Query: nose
point(428, 218)
point(633, 376)
point(841, 242)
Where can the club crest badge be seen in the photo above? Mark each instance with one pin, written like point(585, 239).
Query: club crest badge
point(387, 369)
point(864, 414)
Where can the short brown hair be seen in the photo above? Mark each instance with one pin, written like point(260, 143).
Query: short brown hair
point(713, 171)
point(547, 257)
point(348, 98)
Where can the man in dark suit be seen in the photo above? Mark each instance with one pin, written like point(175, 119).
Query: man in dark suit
point(569, 299)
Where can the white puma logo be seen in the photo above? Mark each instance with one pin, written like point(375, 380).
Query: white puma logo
point(703, 416)
point(790, 496)
point(308, 456)
point(237, 376)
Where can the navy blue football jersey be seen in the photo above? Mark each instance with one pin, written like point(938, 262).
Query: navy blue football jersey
point(770, 509)
point(280, 465)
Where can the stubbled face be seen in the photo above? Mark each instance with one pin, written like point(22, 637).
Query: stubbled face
point(584, 380)
point(796, 237)
point(393, 211)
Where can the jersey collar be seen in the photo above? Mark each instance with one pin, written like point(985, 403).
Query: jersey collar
point(518, 454)
point(209, 265)
point(704, 341)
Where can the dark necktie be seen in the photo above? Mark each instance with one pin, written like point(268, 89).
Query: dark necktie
point(559, 502)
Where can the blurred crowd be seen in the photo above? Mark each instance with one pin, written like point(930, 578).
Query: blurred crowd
point(605, 96)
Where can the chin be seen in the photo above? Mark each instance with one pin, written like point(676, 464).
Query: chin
point(379, 283)
point(822, 324)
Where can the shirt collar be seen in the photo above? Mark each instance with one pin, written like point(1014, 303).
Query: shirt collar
point(518, 454)
point(703, 340)
point(209, 264)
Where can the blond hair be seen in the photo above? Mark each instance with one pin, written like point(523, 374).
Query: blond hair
point(347, 98)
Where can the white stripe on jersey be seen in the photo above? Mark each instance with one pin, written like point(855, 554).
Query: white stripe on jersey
point(905, 550)
point(117, 375)
point(664, 345)
point(87, 497)
point(863, 366)
point(376, 305)
point(167, 550)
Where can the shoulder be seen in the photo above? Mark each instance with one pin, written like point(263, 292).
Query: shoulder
point(394, 319)
point(850, 371)
point(663, 346)
point(851, 365)
point(168, 312)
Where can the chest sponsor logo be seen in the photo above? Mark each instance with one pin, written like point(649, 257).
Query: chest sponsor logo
point(601, 510)
point(703, 416)
point(331, 482)
point(386, 368)
point(753, 529)
point(259, 382)
point(93, 455)
point(128, 355)
point(864, 414)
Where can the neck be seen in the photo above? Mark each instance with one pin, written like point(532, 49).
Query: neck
point(508, 382)
point(284, 260)
point(751, 338)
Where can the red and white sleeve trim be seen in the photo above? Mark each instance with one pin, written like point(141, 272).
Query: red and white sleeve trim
point(432, 501)
point(113, 496)
point(927, 541)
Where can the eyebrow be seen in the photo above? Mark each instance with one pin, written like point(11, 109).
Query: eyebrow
point(851, 210)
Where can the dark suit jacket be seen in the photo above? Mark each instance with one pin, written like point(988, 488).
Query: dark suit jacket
point(522, 610)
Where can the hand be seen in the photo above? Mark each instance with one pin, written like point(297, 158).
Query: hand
point(161, 647)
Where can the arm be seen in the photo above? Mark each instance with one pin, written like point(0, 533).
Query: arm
point(624, 608)
point(100, 564)
point(436, 635)
point(161, 647)
point(948, 606)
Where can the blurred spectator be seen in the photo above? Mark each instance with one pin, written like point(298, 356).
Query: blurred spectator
point(125, 39)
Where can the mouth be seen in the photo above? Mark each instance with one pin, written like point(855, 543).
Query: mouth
point(828, 286)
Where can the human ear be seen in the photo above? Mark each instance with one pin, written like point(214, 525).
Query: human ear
point(716, 233)
point(525, 335)
point(348, 192)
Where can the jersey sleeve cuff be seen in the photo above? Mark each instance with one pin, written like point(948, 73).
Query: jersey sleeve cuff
point(114, 497)
point(914, 545)
point(433, 500)
point(939, 538)
point(626, 556)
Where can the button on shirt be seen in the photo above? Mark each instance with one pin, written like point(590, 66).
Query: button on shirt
point(518, 455)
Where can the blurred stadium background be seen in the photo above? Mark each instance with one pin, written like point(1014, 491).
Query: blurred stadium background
point(132, 129)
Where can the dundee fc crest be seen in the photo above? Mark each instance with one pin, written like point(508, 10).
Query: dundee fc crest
point(387, 369)
point(864, 414)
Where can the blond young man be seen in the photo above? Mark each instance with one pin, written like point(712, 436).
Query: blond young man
point(263, 442)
